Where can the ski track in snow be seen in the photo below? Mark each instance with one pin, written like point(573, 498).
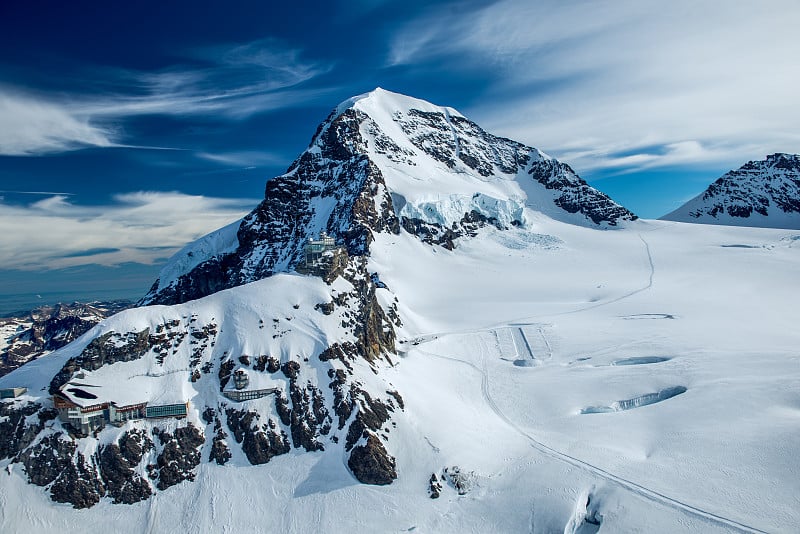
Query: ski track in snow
point(626, 295)
point(629, 485)
point(152, 523)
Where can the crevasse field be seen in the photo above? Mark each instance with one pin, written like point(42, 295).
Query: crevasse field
point(653, 371)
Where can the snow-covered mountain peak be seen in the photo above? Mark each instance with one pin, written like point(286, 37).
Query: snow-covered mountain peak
point(782, 159)
point(764, 193)
point(380, 103)
point(383, 162)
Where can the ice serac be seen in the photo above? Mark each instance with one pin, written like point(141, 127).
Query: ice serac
point(764, 193)
point(384, 162)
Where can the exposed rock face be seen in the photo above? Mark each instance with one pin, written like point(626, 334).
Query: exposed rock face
point(46, 460)
point(271, 237)
point(575, 195)
point(117, 463)
point(179, 455)
point(54, 461)
point(434, 487)
point(15, 431)
point(371, 464)
point(115, 470)
point(260, 443)
point(78, 484)
point(220, 452)
point(113, 347)
point(49, 328)
point(760, 193)
point(369, 461)
point(436, 234)
point(309, 417)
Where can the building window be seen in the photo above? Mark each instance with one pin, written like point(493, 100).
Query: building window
point(168, 410)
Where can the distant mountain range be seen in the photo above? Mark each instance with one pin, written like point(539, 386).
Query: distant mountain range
point(24, 337)
point(763, 193)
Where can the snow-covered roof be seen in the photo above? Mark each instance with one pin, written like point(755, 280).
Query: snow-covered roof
point(166, 389)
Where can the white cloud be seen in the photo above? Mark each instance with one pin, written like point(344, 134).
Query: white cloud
point(137, 227)
point(31, 126)
point(626, 84)
point(229, 82)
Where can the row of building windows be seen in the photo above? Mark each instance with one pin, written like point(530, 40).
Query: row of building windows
point(167, 410)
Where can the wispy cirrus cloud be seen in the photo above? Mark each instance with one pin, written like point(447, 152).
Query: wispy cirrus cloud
point(137, 227)
point(230, 82)
point(624, 84)
point(244, 158)
point(31, 126)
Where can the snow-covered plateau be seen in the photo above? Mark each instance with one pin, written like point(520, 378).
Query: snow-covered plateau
point(493, 346)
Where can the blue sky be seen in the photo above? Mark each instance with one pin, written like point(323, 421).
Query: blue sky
point(130, 128)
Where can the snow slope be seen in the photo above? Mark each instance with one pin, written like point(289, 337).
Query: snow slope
point(214, 244)
point(762, 193)
point(717, 303)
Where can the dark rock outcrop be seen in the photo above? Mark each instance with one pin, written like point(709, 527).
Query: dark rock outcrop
point(179, 455)
point(371, 464)
point(78, 484)
point(436, 234)
point(575, 195)
point(260, 443)
point(15, 433)
point(113, 347)
point(434, 487)
point(46, 460)
point(53, 460)
point(117, 463)
point(220, 452)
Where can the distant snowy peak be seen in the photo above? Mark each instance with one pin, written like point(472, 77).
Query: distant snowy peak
point(763, 193)
point(384, 162)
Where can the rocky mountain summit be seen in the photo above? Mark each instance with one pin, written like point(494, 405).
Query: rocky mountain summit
point(25, 337)
point(267, 344)
point(763, 193)
point(381, 162)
